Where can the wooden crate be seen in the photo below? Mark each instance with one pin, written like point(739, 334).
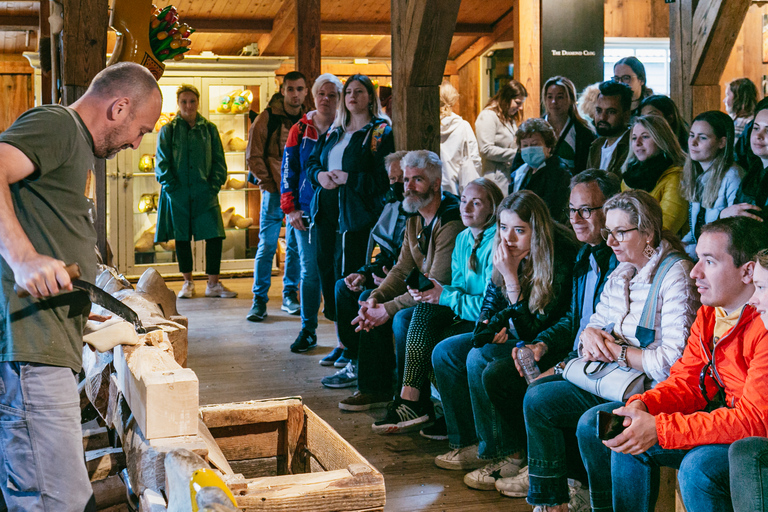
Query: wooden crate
point(315, 469)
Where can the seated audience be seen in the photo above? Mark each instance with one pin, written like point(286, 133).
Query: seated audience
point(630, 71)
point(752, 196)
point(660, 105)
point(715, 393)
point(445, 311)
point(427, 247)
point(530, 289)
point(710, 177)
point(458, 146)
point(553, 407)
point(655, 165)
point(740, 101)
point(387, 235)
point(574, 136)
point(543, 172)
point(495, 128)
point(610, 148)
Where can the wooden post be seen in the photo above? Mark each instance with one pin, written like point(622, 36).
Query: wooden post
point(84, 54)
point(45, 34)
point(421, 38)
point(308, 39)
point(527, 56)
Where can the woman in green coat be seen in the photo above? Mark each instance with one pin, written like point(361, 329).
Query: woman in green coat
point(191, 168)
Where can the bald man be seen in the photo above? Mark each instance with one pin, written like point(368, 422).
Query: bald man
point(45, 158)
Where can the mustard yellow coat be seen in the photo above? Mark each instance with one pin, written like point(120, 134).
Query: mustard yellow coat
point(674, 207)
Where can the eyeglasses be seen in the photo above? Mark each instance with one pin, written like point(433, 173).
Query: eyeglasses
point(584, 212)
point(618, 234)
point(719, 399)
point(625, 79)
point(423, 238)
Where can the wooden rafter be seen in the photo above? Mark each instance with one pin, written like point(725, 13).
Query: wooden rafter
point(22, 23)
point(227, 26)
point(716, 24)
point(283, 27)
point(500, 28)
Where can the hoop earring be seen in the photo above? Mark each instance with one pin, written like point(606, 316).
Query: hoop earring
point(649, 252)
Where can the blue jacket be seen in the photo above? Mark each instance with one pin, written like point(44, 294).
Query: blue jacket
point(465, 293)
point(296, 191)
point(361, 199)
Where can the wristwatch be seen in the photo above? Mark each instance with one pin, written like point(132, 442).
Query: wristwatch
point(559, 368)
point(622, 360)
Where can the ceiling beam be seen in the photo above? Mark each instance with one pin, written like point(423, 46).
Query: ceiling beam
point(19, 23)
point(229, 26)
point(282, 29)
point(500, 28)
point(716, 24)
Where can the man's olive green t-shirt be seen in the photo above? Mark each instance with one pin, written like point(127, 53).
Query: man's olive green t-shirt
point(54, 213)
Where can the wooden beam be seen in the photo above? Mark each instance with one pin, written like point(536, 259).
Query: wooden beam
point(308, 41)
point(716, 25)
point(229, 26)
point(421, 39)
point(377, 68)
point(19, 23)
point(282, 28)
point(527, 57)
point(45, 34)
point(385, 29)
point(500, 29)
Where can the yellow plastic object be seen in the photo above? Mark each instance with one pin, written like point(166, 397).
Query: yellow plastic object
point(207, 478)
point(147, 163)
point(163, 120)
point(242, 102)
point(130, 21)
point(225, 105)
point(146, 203)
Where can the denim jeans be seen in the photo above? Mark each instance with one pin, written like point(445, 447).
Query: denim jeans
point(270, 222)
point(346, 304)
point(702, 476)
point(377, 358)
point(41, 446)
point(310, 278)
point(748, 460)
point(553, 408)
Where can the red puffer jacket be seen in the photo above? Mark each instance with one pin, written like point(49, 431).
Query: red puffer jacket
point(740, 360)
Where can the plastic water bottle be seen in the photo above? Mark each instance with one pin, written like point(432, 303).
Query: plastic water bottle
point(527, 362)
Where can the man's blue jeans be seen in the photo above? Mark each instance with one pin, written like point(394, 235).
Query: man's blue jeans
point(553, 409)
point(702, 476)
point(41, 446)
point(469, 414)
point(748, 460)
point(270, 222)
point(310, 278)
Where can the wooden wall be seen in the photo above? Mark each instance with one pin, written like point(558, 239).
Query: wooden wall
point(746, 57)
point(636, 18)
point(18, 96)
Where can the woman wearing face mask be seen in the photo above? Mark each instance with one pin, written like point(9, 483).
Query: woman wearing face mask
point(495, 128)
point(543, 172)
point(446, 310)
point(710, 177)
point(630, 71)
point(574, 136)
point(660, 105)
point(191, 168)
point(655, 164)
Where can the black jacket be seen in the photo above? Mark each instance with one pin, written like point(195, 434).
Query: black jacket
point(552, 184)
point(584, 139)
point(361, 199)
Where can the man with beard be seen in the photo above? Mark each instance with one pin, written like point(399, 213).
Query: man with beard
point(427, 248)
point(45, 159)
point(612, 113)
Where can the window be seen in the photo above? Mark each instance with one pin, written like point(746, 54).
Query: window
point(652, 52)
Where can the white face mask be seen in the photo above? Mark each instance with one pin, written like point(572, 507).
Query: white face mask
point(533, 156)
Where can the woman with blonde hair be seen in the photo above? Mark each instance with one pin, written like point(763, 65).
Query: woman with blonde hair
point(458, 146)
point(655, 164)
point(530, 290)
point(711, 179)
point(495, 128)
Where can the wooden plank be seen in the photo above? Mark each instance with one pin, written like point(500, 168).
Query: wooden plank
point(308, 40)
point(255, 468)
point(162, 395)
point(716, 24)
point(109, 492)
point(527, 57)
point(327, 446)
point(16, 22)
point(245, 413)
point(254, 441)
point(469, 88)
point(15, 91)
point(84, 42)
point(215, 456)
point(45, 34)
point(295, 441)
point(104, 462)
point(500, 29)
point(95, 439)
point(283, 26)
point(229, 26)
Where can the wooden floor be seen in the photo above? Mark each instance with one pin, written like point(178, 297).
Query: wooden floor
point(239, 360)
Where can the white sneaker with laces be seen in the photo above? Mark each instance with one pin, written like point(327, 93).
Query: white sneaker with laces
point(579, 497)
point(459, 459)
point(485, 478)
point(219, 290)
point(187, 290)
point(515, 486)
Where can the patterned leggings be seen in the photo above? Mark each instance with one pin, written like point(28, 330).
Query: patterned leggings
point(430, 324)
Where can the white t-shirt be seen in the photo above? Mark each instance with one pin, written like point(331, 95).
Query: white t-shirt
point(336, 153)
point(607, 153)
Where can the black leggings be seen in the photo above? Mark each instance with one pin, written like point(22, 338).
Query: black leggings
point(212, 256)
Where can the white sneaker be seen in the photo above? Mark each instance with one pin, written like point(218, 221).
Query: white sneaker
point(187, 290)
point(219, 290)
point(485, 478)
point(579, 497)
point(515, 486)
point(459, 459)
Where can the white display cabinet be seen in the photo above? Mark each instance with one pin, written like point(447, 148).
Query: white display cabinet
point(130, 189)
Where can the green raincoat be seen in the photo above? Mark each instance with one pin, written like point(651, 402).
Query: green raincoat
point(191, 168)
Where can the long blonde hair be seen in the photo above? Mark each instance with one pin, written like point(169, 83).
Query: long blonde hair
point(538, 270)
point(662, 136)
point(495, 197)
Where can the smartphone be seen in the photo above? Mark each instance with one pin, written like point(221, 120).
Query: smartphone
point(609, 425)
point(418, 281)
point(305, 221)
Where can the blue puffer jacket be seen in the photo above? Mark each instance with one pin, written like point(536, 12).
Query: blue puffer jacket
point(296, 191)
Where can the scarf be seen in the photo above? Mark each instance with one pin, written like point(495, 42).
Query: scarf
point(644, 175)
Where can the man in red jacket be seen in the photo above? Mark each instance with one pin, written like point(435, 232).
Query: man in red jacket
point(717, 393)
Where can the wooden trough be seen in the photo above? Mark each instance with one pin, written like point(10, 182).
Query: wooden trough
point(315, 468)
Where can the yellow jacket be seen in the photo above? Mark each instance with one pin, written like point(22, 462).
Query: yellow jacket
point(674, 207)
